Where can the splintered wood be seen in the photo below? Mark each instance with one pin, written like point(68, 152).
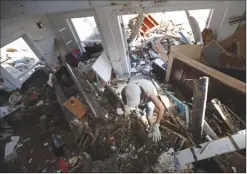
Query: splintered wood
point(200, 90)
point(224, 121)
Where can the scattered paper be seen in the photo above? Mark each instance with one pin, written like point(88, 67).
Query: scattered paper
point(10, 148)
point(142, 62)
point(41, 102)
point(49, 82)
point(120, 111)
point(133, 70)
point(30, 161)
point(3, 111)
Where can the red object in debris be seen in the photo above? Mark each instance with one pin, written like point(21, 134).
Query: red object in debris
point(111, 140)
point(102, 83)
point(148, 23)
point(33, 96)
point(63, 166)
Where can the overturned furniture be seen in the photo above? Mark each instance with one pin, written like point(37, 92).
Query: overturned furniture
point(69, 82)
point(225, 109)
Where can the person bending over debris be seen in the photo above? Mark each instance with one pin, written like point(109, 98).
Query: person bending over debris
point(143, 94)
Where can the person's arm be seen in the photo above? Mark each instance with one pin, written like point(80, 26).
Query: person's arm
point(159, 105)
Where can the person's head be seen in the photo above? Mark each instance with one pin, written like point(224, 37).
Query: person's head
point(133, 95)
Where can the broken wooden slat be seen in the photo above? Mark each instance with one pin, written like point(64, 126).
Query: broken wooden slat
point(169, 67)
point(200, 91)
point(191, 51)
point(136, 28)
point(187, 116)
point(182, 144)
point(173, 132)
point(209, 131)
point(216, 147)
point(160, 49)
point(235, 116)
point(217, 106)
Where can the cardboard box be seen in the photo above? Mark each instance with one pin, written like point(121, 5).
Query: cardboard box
point(75, 106)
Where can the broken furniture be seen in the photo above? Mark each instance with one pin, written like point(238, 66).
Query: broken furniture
point(215, 55)
point(183, 71)
point(180, 68)
point(69, 82)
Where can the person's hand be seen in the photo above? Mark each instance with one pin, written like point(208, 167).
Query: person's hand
point(155, 132)
point(127, 110)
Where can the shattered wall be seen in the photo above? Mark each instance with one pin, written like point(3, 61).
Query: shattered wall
point(41, 41)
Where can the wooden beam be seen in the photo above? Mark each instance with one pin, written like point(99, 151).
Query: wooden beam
point(200, 92)
point(223, 78)
point(136, 28)
point(209, 131)
point(209, 149)
point(191, 51)
point(216, 147)
point(169, 67)
point(217, 106)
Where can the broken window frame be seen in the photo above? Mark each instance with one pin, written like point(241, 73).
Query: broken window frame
point(71, 26)
point(23, 75)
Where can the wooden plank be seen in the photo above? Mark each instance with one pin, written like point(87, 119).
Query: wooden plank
point(223, 78)
point(191, 51)
point(169, 67)
point(187, 116)
point(217, 106)
point(136, 28)
point(216, 147)
point(211, 149)
point(200, 92)
point(209, 131)
point(241, 49)
point(160, 49)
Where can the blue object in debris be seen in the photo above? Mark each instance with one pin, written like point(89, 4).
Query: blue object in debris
point(165, 66)
point(179, 105)
point(57, 145)
point(58, 142)
point(183, 38)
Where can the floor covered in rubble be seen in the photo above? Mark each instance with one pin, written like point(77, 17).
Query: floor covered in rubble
point(43, 134)
point(113, 144)
point(37, 154)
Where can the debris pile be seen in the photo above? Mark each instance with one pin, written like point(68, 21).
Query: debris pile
point(128, 139)
point(223, 120)
point(88, 130)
